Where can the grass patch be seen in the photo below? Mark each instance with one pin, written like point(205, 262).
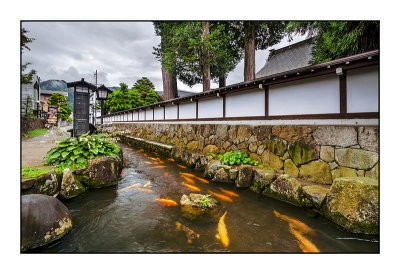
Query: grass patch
point(34, 133)
point(32, 172)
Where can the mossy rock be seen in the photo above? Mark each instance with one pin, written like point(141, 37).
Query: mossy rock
point(353, 203)
point(193, 209)
point(313, 196)
point(302, 152)
point(316, 171)
point(285, 188)
point(70, 185)
point(262, 179)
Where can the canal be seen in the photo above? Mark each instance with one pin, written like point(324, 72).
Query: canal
point(120, 219)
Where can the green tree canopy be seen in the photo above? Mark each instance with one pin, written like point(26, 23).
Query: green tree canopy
point(143, 85)
point(64, 112)
point(151, 98)
point(25, 40)
point(57, 99)
point(123, 99)
point(337, 39)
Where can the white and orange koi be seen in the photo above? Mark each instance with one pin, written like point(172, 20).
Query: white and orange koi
point(220, 196)
point(167, 202)
point(305, 244)
point(222, 231)
point(192, 188)
point(298, 225)
point(230, 193)
point(145, 190)
point(132, 186)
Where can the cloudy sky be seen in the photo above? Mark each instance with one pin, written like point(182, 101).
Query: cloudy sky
point(120, 51)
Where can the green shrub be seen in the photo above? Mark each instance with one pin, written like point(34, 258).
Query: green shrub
point(237, 158)
point(70, 120)
point(74, 152)
point(34, 133)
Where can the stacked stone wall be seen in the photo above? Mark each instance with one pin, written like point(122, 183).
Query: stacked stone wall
point(314, 153)
point(30, 123)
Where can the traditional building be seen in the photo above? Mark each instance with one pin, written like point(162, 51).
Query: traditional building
point(30, 94)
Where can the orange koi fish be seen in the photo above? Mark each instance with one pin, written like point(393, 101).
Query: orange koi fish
point(158, 166)
point(192, 188)
point(180, 166)
point(161, 161)
point(123, 173)
point(171, 160)
point(222, 197)
point(222, 232)
point(156, 163)
point(299, 226)
point(145, 154)
point(305, 244)
point(140, 150)
point(166, 174)
point(167, 202)
point(154, 159)
point(190, 234)
point(145, 190)
point(126, 163)
point(202, 180)
point(132, 186)
point(187, 174)
point(230, 193)
point(188, 179)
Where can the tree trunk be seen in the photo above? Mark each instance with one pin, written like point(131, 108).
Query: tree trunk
point(222, 81)
point(170, 90)
point(249, 51)
point(206, 58)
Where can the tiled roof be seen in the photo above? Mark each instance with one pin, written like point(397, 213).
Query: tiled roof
point(181, 93)
point(287, 58)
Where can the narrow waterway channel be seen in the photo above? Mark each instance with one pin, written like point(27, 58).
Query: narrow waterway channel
point(116, 219)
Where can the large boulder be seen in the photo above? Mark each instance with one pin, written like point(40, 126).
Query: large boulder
point(314, 195)
point(262, 179)
point(211, 168)
point(245, 176)
point(47, 184)
point(70, 185)
point(353, 203)
point(101, 172)
point(192, 208)
point(44, 219)
point(316, 171)
point(285, 188)
point(222, 175)
point(356, 158)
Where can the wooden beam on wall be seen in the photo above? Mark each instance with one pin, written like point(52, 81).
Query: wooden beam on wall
point(343, 93)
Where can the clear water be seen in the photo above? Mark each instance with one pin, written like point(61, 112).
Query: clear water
point(108, 221)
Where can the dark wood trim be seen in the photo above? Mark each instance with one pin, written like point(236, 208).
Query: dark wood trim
point(177, 110)
point(266, 88)
point(363, 115)
point(197, 109)
point(301, 77)
point(343, 93)
point(153, 114)
point(223, 106)
point(164, 112)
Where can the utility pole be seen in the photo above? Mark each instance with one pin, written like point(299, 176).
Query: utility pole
point(95, 100)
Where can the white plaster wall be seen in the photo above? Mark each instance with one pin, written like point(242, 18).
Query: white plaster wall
point(210, 108)
point(136, 116)
point(171, 112)
point(141, 115)
point(245, 103)
point(159, 113)
point(363, 90)
point(187, 110)
point(316, 95)
point(149, 114)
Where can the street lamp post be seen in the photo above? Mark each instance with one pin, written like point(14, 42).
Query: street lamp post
point(101, 94)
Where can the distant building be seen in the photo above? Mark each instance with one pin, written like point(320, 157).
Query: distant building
point(30, 95)
point(45, 95)
point(287, 58)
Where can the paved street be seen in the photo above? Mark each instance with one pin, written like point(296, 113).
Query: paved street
point(34, 149)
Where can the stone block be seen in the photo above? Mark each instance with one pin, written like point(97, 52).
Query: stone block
point(285, 188)
point(316, 171)
point(290, 133)
point(245, 176)
point(271, 160)
point(327, 153)
point(368, 138)
point(343, 172)
point(304, 151)
point(336, 136)
point(290, 168)
point(314, 195)
point(356, 158)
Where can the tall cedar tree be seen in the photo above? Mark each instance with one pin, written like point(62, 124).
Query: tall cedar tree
point(193, 48)
point(26, 77)
point(170, 87)
point(143, 86)
point(337, 39)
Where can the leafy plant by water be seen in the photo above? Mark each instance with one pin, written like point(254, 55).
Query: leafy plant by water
point(237, 158)
point(205, 200)
point(74, 152)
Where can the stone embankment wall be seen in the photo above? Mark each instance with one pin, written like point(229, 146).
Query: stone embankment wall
point(314, 153)
point(30, 123)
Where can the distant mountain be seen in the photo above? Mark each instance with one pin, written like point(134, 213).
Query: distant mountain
point(59, 85)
